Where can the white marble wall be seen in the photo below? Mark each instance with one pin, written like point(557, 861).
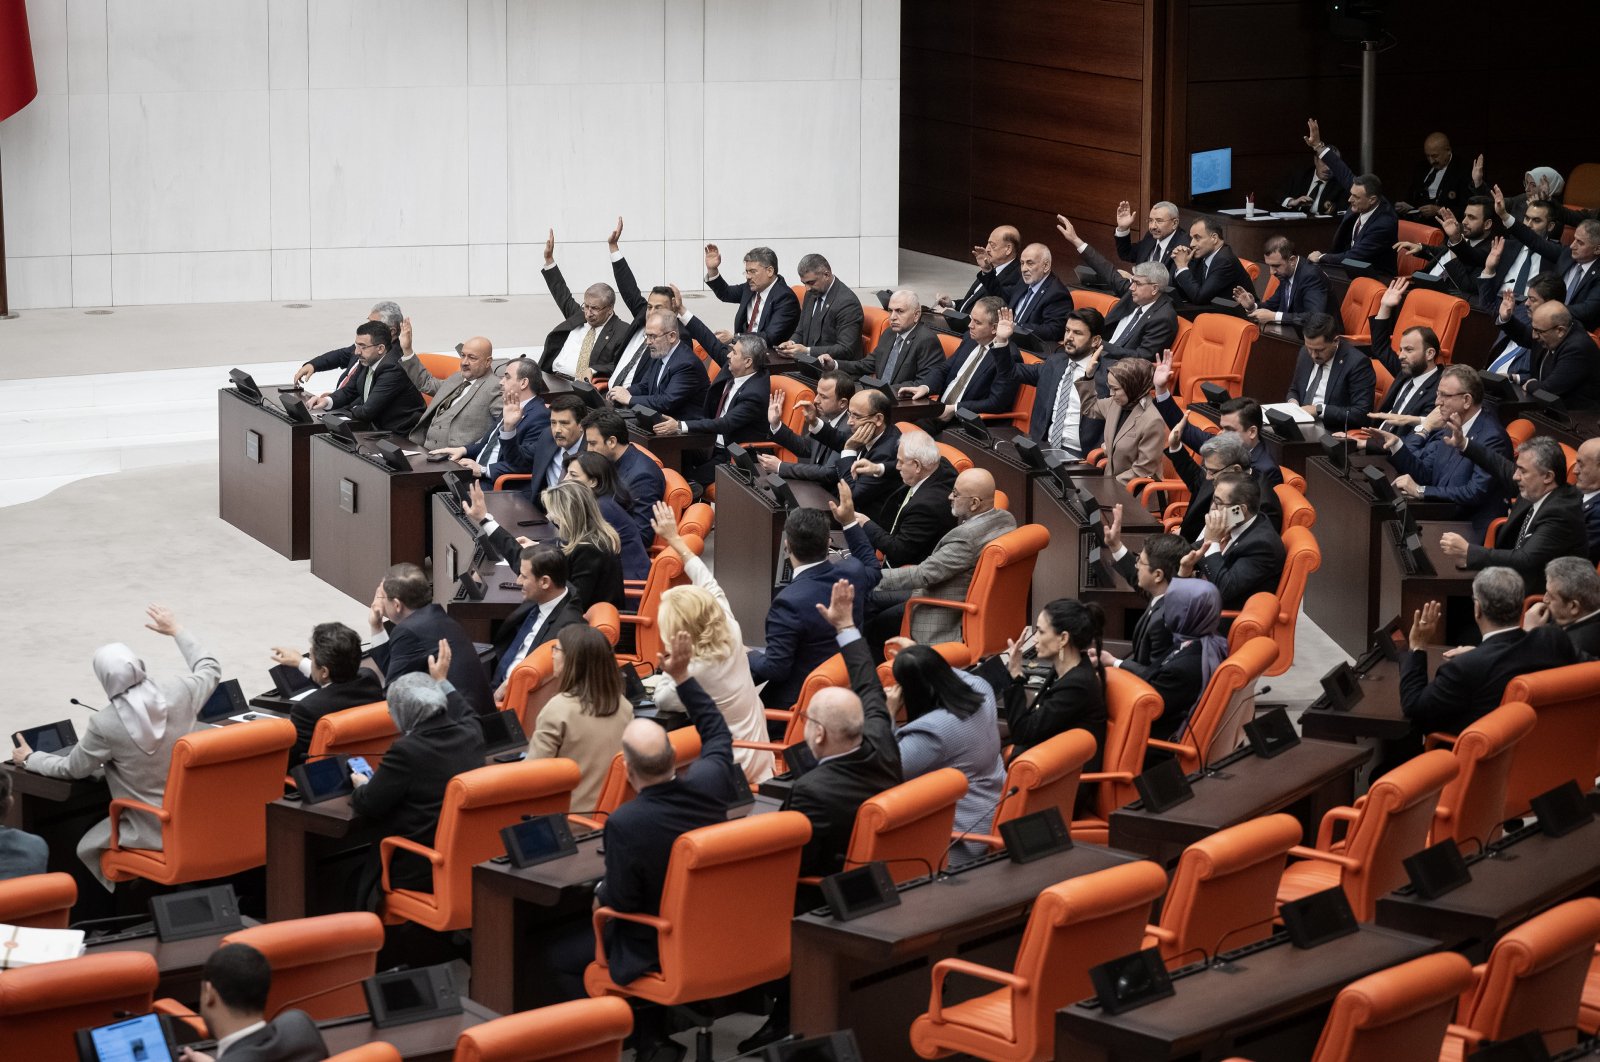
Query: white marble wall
point(239, 150)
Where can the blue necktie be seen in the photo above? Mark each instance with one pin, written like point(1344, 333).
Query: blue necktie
point(510, 658)
point(1026, 301)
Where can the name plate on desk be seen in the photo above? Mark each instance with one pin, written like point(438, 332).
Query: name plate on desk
point(347, 496)
point(252, 446)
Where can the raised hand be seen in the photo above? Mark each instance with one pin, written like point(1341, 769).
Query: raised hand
point(775, 410)
point(1447, 221)
point(844, 510)
point(1477, 171)
point(1125, 217)
point(1005, 326)
point(1395, 294)
point(550, 248)
point(510, 412)
point(1113, 529)
point(1425, 625)
point(1064, 227)
point(677, 298)
point(616, 236)
point(405, 336)
point(1163, 373)
point(1175, 437)
point(1497, 247)
point(1313, 137)
point(1187, 565)
point(439, 662)
point(675, 657)
point(162, 621)
point(1500, 204)
point(841, 607)
point(665, 524)
point(713, 260)
point(1014, 654)
point(478, 506)
point(981, 256)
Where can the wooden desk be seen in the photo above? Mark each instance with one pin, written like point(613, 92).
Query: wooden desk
point(1061, 570)
point(454, 546)
point(422, 1041)
point(1001, 461)
point(1531, 876)
point(747, 561)
point(872, 974)
point(365, 517)
point(1267, 1005)
point(1295, 453)
point(264, 472)
point(1304, 781)
point(1270, 368)
point(1477, 335)
point(1401, 593)
point(180, 961)
point(1376, 717)
point(299, 838)
point(672, 448)
point(60, 810)
point(1342, 596)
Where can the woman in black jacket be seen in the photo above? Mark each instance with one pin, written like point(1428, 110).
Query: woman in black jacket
point(1192, 611)
point(592, 546)
point(1073, 697)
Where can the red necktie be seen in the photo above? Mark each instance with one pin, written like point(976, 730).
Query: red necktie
point(751, 322)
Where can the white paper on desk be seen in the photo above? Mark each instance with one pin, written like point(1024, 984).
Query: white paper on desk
point(1289, 215)
point(21, 947)
point(1236, 212)
point(1290, 409)
point(411, 453)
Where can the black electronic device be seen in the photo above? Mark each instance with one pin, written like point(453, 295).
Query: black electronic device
point(245, 384)
point(1416, 552)
point(589, 393)
point(883, 297)
point(972, 423)
point(502, 732)
point(837, 1046)
point(1437, 869)
point(52, 737)
point(1163, 786)
point(196, 913)
point(1271, 733)
point(322, 779)
point(860, 891)
point(1031, 837)
point(538, 839)
point(1027, 339)
point(1029, 451)
point(1214, 393)
point(799, 758)
point(781, 492)
point(1337, 454)
point(405, 996)
point(1561, 810)
point(1131, 981)
point(472, 585)
point(873, 383)
point(393, 456)
point(1391, 639)
point(227, 699)
point(288, 681)
point(1378, 481)
point(744, 459)
point(340, 430)
point(460, 484)
point(646, 416)
point(957, 321)
point(1342, 687)
point(1529, 1047)
point(1408, 520)
point(1497, 388)
point(294, 404)
point(143, 1038)
point(1283, 426)
point(1318, 918)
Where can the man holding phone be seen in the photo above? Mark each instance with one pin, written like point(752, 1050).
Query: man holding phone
point(1240, 553)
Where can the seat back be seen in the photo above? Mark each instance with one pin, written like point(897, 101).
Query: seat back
point(365, 730)
point(1534, 977)
point(678, 495)
point(42, 1006)
point(1103, 301)
point(729, 898)
point(1473, 805)
point(794, 392)
point(1521, 430)
point(949, 343)
point(38, 901)
point(616, 790)
point(1216, 352)
point(1382, 380)
point(1297, 511)
point(1436, 310)
point(440, 366)
point(1180, 343)
point(1046, 776)
point(315, 960)
point(531, 683)
point(1226, 704)
point(1563, 742)
point(1360, 304)
point(1132, 707)
point(909, 824)
point(960, 460)
point(1400, 1012)
point(1417, 232)
point(1224, 888)
point(1257, 619)
point(1253, 268)
point(603, 617)
point(1582, 189)
point(698, 519)
point(666, 571)
point(874, 319)
point(1302, 557)
point(582, 1030)
point(999, 588)
point(1392, 824)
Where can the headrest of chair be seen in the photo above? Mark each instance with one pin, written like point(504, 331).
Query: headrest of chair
point(1570, 683)
point(916, 799)
point(1414, 780)
point(1546, 939)
point(1051, 758)
point(685, 742)
point(300, 941)
point(504, 783)
point(223, 744)
point(751, 837)
point(1254, 656)
point(1401, 991)
point(72, 982)
point(1105, 892)
point(1238, 847)
point(573, 1026)
point(1500, 729)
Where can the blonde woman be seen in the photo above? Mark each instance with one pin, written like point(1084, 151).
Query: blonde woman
point(584, 722)
point(1135, 433)
point(719, 663)
point(592, 546)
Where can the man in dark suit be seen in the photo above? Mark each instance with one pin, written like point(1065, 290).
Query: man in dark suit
point(333, 662)
point(1578, 266)
point(1519, 262)
point(1241, 553)
point(797, 637)
point(1414, 369)
point(1432, 469)
point(828, 416)
point(1586, 477)
point(1313, 190)
point(547, 604)
point(407, 628)
point(1056, 421)
point(1562, 355)
point(1571, 602)
point(867, 452)
point(1371, 228)
point(1469, 685)
point(378, 392)
point(673, 381)
point(1302, 287)
point(1333, 380)
point(1162, 235)
point(557, 448)
point(1442, 183)
point(1041, 305)
point(1468, 242)
point(234, 984)
point(386, 313)
point(1225, 451)
point(908, 356)
point(766, 303)
point(1151, 570)
point(981, 376)
point(998, 273)
point(1240, 416)
point(606, 433)
point(633, 355)
point(1143, 323)
point(1546, 521)
point(507, 446)
point(918, 514)
point(590, 341)
point(1207, 268)
point(736, 405)
point(831, 317)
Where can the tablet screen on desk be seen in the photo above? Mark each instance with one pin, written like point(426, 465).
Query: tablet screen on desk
point(141, 1039)
point(227, 699)
point(52, 737)
point(324, 779)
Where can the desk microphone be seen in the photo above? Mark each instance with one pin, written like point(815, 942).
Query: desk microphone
point(1013, 791)
point(80, 704)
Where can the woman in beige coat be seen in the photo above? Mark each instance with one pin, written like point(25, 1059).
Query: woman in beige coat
point(584, 722)
point(1135, 433)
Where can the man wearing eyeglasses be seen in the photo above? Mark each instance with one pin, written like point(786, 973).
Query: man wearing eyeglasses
point(1142, 324)
point(379, 392)
point(1223, 452)
point(1565, 361)
point(672, 381)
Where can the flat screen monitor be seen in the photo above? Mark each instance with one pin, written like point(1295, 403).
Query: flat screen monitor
point(1210, 171)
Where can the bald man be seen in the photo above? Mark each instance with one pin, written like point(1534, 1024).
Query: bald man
point(997, 270)
point(908, 354)
point(1041, 305)
point(1441, 181)
point(1564, 359)
point(1586, 477)
point(464, 403)
point(946, 572)
point(590, 340)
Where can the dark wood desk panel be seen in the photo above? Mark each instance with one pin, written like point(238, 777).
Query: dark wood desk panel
point(1061, 569)
point(1001, 461)
point(1401, 593)
point(873, 974)
point(179, 961)
point(267, 496)
point(1342, 596)
point(351, 551)
point(299, 838)
point(1305, 781)
point(1294, 453)
point(60, 810)
point(748, 557)
point(455, 545)
point(670, 449)
point(433, 1040)
point(1376, 716)
point(1270, 368)
point(1248, 238)
point(1270, 1004)
point(1477, 335)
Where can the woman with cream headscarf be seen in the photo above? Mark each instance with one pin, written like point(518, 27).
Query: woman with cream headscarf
point(132, 738)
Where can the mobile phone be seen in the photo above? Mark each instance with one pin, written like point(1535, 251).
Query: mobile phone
point(359, 765)
point(438, 457)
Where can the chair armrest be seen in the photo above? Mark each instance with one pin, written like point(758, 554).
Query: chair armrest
point(1013, 417)
point(178, 1012)
point(1165, 936)
point(1106, 776)
point(1439, 740)
point(602, 915)
point(585, 823)
point(962, 605)
point(810, 879)
point(945, 967)
point(1329, 818)
point(386, 849)
point(1187, 757)
point(1471, 1038)
point(118, 806)
point(636, 619)
point(512, 477)
point(1302, 852)
point(774, 747)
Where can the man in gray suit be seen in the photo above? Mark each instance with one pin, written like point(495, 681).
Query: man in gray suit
point(947, 571)
point(233, 1000)
point(463, 404)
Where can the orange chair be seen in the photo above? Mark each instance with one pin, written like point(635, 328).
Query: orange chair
point(907, 825)
point(874, 320)
point(1075, 925)
point(1046, 776)
point(698, 519)
point(1103, 301)
point(1223, 889)
point(1382, 380)
point(1022, 409)
point(666, 571)
point(1216, 351)
point(1582, 190)
point(1417, 232)
point(532, 680)
point(996, 605)
point(831, 673)
point(440, 366)
point(365, 730)
point(1228, 702)
point(1473, 805)
point(477, 806)
point(1303, 556)
point(1563, 743)
point(1359, 306)
point(794, 392)
point(376, 1051)
point(42, 1006)
point(583, 1030)
point(38, 901)
point(1294, 479)
point(949, 343)
point(1436, 310)
point(1533, 981)
point(1390, 823)
point(960, 460)
point(1180, 343)
point(214, 812)
point(678, 495)
point(1132, 706)
point(1297, 511)
point(1253, 268)
point(616, 790)
point(1258, 619)
point(725, 909)
point(314, 961)
point(1521, 430)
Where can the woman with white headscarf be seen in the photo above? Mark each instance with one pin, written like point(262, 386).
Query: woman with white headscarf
point(132, 738)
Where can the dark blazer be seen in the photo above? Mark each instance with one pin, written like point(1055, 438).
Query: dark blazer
point(1585, 637)
point(1201, 489)
point(1178, 677)
point(1154, 332)
point(1248, 566)
point(595, 575)
point(1145, 249)
point(1349, 390)
point(1448, 476)
point(745, 419)
point(831, 793)
point(1591, 526)
point(516, 453)
point(406, 793)
point(1151, 639)
point(1046, 377)
point(779, 308)
point(415, 638)
point(1559, 529)
point(1466, 262)
point(640, 834)
point(993, 387)
point(342, 358)
point(290, 1037)
point(1469, 686)
point(1074, 701)
point(634, 553)
point(1307, 293)
point(921, 358)
point(365, 688)
point(913, 531)
point(1046, 313)
point(1570, 370)
point(1422, 399)
point(628, 291)
point(1585, 302)
point(675, 388)
point(22, 854)
point(1004, 282)
point(870, 491)
point(1332, 194)
point(646, 484)
point(513, 631)
point(1202, 282)
point(831, 323)
point(812, 448)
point(607, 345)
point(1455, 187)
point(394, 403)
point(798, 638)
point(1261, 462)
point(1378, 236)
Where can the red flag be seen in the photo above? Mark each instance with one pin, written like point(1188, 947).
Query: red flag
point(17, 83)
